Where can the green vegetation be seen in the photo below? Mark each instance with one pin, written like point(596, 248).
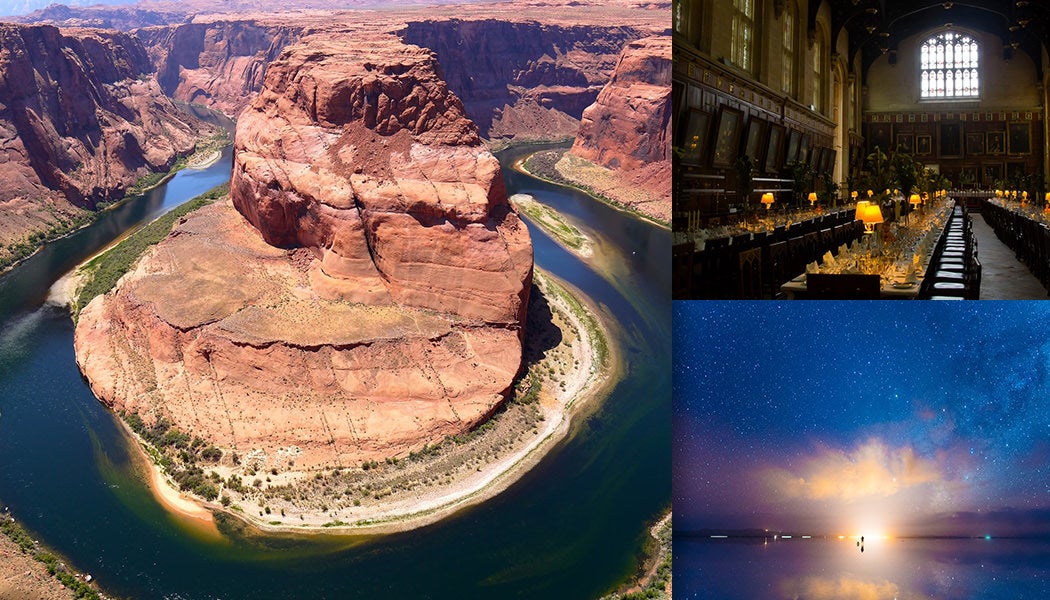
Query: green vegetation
point(55, 567)
point(659, 549)
point(551, 221)
point(62, 225)
point(541, 166)
point(178, 455)
point(102, 272)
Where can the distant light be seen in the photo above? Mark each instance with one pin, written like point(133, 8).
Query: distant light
point(720, 536)
point(987, 537)
point(842, 537)
point(806, 537)
point(787, 537)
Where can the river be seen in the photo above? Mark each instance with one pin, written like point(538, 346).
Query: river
point(570, 528)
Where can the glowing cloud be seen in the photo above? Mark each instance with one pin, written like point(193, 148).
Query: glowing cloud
point(845, 587)
point(871, 470)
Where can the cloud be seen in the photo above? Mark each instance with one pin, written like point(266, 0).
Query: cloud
point(845, 587)
point(871, 470)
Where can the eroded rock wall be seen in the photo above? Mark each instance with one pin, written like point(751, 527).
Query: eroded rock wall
point(629, 125)
point(81, 119)
point(523, 78)
point(218, 64)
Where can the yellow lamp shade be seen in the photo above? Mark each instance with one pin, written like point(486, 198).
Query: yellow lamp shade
point(853, 194)
point(767, 199)
point(859, 215)
point(870, 194)
point(871, 214)
point(1048, 196)
point(1024, 194)
point(915, 199)
point(812, 197)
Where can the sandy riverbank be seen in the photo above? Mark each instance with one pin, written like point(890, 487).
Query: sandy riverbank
point(631, 194)
point(462, 479)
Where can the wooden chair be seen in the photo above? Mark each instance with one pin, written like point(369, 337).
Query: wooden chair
point(826, 286)
point(751, 274)
point(779, 265)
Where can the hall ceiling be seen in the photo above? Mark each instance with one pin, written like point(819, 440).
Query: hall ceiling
point(876, 27)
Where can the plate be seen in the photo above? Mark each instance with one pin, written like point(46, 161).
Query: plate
point(903, 285)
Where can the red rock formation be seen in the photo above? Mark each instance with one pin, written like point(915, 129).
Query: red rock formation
point(526, 79)
point(218, 64)
point(391, 317)
point(81, 119)
point(628, 128)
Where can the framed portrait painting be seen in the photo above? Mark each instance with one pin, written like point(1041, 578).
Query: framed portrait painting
point(727, 137)
point(753, 141)
point(906, 143)
point(1020, 137)
point(995, 142)
point(951, 141)
point(791, 154)
point(974, 143)
point(776, 140)
point(923, 145)
point(694, 136)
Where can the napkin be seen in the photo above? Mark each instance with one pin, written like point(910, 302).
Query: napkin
point(910, 277)
point(812, 268)
point(828, 259)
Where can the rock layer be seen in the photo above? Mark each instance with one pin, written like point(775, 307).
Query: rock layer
point(628, 129)
point(524, 79)
point(81, 119)
point(367, 299)
point(219, 64)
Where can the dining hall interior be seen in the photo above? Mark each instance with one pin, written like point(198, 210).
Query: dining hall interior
point(860, 149)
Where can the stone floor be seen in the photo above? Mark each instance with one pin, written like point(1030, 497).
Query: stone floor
point(1003, 277)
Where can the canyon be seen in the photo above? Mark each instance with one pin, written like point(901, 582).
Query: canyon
point(362, 292)
point(81, 120)
point(364, 299)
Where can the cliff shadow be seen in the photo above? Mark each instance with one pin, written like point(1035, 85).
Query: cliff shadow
point(541, 334)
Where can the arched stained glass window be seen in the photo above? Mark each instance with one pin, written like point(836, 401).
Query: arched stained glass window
point(949, 67)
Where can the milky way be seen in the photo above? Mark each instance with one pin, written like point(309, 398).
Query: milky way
point(920, 417)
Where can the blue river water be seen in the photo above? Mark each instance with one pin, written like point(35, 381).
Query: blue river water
point(572, 527)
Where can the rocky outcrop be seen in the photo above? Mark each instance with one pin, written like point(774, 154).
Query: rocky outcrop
point(81, 119)
point(217, 64)
point(628, 129)
point(525, 79)
point(629, 126)
point(123, 18)
point(366, 298)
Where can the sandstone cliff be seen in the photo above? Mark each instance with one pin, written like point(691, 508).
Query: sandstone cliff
point(218, 64)
point(628, 129)
point(81, 119)
point(523, 78)
point(366, 299)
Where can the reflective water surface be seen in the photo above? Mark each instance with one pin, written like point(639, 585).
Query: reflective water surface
point(832, 569)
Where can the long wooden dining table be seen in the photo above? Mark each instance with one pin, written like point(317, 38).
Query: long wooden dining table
point(894, 283)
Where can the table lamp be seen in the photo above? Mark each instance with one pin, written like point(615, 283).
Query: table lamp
point(767, 199)
point(812, 198)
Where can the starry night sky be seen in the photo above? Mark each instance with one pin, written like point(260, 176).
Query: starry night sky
point(912, 418)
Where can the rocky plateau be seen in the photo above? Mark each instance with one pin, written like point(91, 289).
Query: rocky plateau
point(361, 295)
